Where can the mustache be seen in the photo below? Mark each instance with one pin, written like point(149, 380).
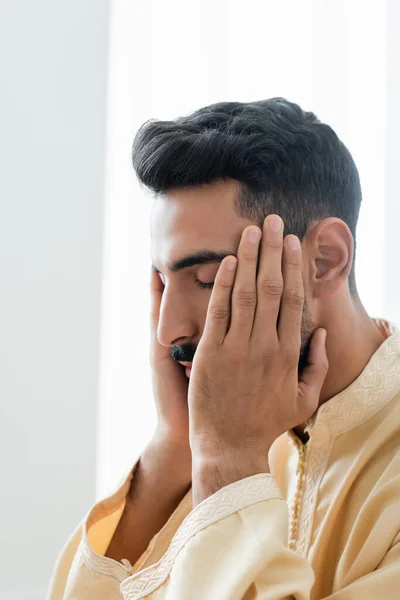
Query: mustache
point(184, 353)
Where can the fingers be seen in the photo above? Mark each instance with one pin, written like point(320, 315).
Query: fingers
point(291, 310)
point(244, 296)
point(219, 308)
point(269, 279)
point(313, 375)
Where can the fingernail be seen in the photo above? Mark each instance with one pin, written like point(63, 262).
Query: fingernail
point(275, 223)
point(294, 243)
point(254, 235)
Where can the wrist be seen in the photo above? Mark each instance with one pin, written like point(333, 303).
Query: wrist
point(175, 434)
point(211, 473)
point(169, 462)
point(170, 442)
point(171, 449)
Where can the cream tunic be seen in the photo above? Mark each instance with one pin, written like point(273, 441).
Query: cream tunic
point(235, 544)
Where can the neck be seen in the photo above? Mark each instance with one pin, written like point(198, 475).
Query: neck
point(352, 340)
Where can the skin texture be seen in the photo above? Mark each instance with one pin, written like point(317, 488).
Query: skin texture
point(197, 441)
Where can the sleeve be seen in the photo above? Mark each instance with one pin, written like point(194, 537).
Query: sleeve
point(233, 546)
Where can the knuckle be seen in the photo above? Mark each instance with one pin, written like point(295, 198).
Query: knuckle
point(272, 285)
point(249, 255)
point(246, 297)
point(274, 243)
point(295, 298)
point(225, 283)
point(295, 262)
point(219, 312)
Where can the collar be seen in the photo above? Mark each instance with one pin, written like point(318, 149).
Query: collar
point(368, 394)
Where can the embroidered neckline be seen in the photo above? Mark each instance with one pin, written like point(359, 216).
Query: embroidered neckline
point(102, 565)
point(377, 384)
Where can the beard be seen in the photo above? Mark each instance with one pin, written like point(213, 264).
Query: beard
point(306, 332)
point(186, 352)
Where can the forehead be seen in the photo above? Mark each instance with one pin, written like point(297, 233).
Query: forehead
point(193, 219)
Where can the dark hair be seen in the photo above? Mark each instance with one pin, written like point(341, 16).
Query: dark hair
point(285, 159)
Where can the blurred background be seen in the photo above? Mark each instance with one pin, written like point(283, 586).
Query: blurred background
point(77, 79)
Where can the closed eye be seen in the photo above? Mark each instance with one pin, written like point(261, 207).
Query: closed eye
point(204, 285)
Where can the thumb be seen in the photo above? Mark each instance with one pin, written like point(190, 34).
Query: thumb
point(314, 373)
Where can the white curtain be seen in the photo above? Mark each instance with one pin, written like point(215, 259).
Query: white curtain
point(168, 58)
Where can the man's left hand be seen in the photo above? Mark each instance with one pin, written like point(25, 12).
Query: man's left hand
point(244, 388)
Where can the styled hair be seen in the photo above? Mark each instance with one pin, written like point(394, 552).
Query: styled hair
point(286, 161)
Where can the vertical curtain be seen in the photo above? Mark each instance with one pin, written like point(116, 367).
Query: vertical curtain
point(168, 58)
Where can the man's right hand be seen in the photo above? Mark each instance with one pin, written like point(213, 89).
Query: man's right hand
point(170, 384)
point(164, 472)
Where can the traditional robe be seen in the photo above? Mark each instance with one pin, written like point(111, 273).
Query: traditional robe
point(324, 524)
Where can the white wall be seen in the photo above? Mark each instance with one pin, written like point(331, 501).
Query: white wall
point(168, 58)
point(53, 61)
point(392, 166)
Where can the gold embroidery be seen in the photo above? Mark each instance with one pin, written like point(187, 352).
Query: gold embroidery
point(298, 496)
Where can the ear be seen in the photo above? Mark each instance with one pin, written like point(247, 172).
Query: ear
point(330, 246)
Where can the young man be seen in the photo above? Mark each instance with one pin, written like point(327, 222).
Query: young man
point(274, 471)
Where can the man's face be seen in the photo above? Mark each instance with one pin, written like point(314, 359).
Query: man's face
point(191, 231)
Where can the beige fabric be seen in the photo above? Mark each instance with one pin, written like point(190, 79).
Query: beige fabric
point(234, 545)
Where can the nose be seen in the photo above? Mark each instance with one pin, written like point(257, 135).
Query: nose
point(177, 320)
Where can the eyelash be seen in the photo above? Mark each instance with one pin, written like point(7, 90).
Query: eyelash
point(205, 286)
point(202, 284)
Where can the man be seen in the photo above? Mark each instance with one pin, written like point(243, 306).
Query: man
point(274, 471)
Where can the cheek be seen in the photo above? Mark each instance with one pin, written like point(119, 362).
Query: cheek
point(187, 302)
point(201, 302)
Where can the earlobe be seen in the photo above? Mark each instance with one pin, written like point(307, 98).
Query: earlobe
point(333, 246)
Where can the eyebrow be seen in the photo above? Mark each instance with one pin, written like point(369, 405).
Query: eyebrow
point(203, 257)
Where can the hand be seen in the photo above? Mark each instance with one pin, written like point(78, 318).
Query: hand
point(170, 384)
point(244, 389)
